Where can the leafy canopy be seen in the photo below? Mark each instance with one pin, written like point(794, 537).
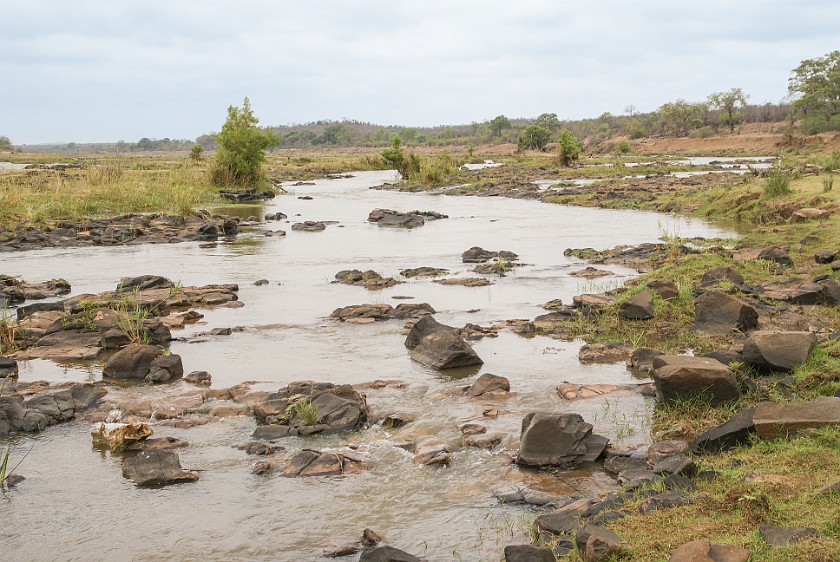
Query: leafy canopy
point(534, 137)
point(569, 148)
point(815, 87)
point(241, 146)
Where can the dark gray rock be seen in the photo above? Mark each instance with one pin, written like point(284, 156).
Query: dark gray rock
point(663, 449)
point(776, 254)
point(722, 273)
point(642, 358)
point(8, 367)
point(732, 433)
point(558, 523)
point(156, 467)
point(165, 368)
point(558, 440)
point(618, 463)
point(825, 256)
point(779, 420)
point(200, 378)
point(422, 328)
point(363, 312)
point(677, 464)
point(663, 500)
point(132, 362)
point(528, 553)
point(309, 462)
point(783, 536)
point(681, 377)
point(777, 350)
point(596, 543)
point(270, 432)
point(387, 553)
point(637, 307)
point(406, 311)
point(445, 350)
point(666, 290)
point(718, 313)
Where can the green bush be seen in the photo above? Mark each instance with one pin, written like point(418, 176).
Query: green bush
point(408, 165)
point(569, 148)
point(196, 152)
point(777, 183)
point(623, 147)
point(241, 145)
point(534, 137)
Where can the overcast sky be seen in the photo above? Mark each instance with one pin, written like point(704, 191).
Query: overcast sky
point(99, 71)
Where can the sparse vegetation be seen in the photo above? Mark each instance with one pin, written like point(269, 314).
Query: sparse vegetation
point(305, 411)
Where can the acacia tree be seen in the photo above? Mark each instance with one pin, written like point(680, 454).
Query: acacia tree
point(241, 146)
point(731, 103)
point(815, 87)
point(549, 121)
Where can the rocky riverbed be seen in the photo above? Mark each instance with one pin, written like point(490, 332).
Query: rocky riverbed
point(304, 411)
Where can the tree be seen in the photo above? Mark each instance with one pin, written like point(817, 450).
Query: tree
point(241, 146)
point(549, 121)
point(569, 148)
point(408, 165)
point(680, 116)
point(196, 152)
point(730, 103)
point(535, 137)
point(498, 124)
point(6, 144)
point(815, 85)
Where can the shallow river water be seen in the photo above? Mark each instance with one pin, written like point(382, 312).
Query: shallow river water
point(75, 505)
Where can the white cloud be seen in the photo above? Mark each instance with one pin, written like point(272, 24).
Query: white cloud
point(100, 70)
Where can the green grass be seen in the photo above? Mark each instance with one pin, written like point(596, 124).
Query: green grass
point(305, 411)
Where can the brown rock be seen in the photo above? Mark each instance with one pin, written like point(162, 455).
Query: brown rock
point(704, 550)
point(773, 420)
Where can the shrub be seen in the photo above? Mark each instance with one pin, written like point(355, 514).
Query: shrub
point(777, 183)
point(196, 152)
point(241, 146)
point(569, 148)
point(623, 147)
point(408, 165)
point(534, 137)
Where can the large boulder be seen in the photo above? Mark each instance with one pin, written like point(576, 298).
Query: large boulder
point(336, 407)
point(722, 273)
point(445, 350)
point(156, 467)
point(718, 313)
point(309, 462)
point(773, 420)
point(682, 377)
point(362, 313)
point(433, 452)
point(558, 440)
point(422, 328)
point(776, 254)
point(387, 553)
point(778, 350)
point(596, 543)
point(132, 362)
point(395, 219)
point(488, 384)
point(528, 553)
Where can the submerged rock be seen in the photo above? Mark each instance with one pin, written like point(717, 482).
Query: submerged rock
point(433, 452)
point(117, 437)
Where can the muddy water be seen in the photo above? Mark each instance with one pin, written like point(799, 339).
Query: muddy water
point(75, 505)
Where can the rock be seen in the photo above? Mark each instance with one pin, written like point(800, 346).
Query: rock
point(809, 213)
point(464, 281)
point(444, 350)
point(528, 553)
point(387, 553)
point(394, 219)
point(132, 362)
point(722, 273)
point(665, 449)
point(200, 378)
point(558, 523)
point(558, 440)
point(783, 536)
point(407, 311)
point(363, 312)
point(635, 478)
point(488, 383)
point(165, 368)
point(338, 408)
point(718, 313)
point(433, 452)
point(642, 358)
point(609, 352)
point(666, 290)
point(679, 482)
point(776, 254)
point(423, 272)
point(8, 367)
point(309, 226)
point(704, 550)
point(156, 468)
point(477, 254)
point(572, 391)
point(681, 377)
point(590, 273)
point(826, 256)
point(732, 433)
point(778, 350)
point(778, 420)
point(835, 265)
point(143, 282)
point(483, 441)
point(664, 500)
point(592, 302)
point(797, 291)
point(394, 421)
point(677, 464)
point(472, 429)
point(309, 462)
point(369, 279)
point(637, 307)
point(596, 543)
point(261, 468)
point(117, 437)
